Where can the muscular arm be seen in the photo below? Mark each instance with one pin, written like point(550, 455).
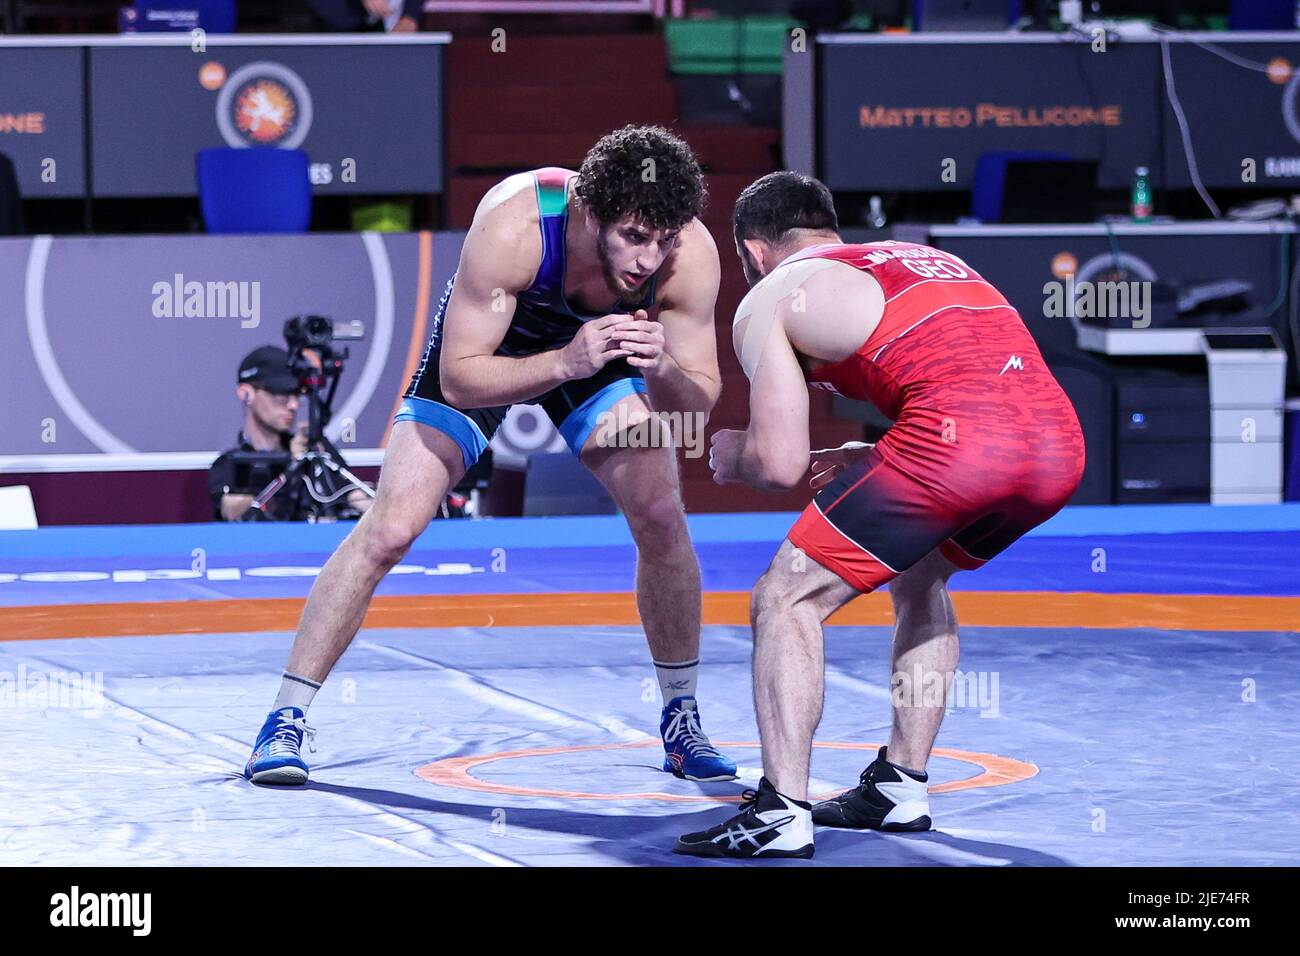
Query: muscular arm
point(497, 262)
point(687, 377)
point(816, 308)
point(499, 259)
point(774, 454)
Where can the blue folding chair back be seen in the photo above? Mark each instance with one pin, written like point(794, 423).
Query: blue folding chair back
point(254, 190)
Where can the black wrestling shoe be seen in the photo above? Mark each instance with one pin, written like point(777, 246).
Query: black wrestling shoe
point(885, 798)
point(769, 825)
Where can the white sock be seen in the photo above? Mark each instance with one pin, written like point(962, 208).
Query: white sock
point(295, 691)
point(677, 680)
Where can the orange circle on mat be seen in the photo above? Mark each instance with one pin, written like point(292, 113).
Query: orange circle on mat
point(455, 772)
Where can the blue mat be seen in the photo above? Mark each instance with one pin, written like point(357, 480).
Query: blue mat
point(153, 777)
point(1151, 748)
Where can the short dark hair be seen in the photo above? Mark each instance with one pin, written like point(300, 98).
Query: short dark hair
point(613, 180)
point(770, 207)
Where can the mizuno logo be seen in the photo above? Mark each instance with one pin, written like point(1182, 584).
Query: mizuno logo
point(1013, 362)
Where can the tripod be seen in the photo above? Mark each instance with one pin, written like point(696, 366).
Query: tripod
point(310, 497)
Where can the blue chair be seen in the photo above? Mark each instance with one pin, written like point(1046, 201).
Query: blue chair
point(991, 179)
point(254, 190)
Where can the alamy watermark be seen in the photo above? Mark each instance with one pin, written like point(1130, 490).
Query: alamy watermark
point(630, 427)
point(74, 908)
point(976, 690)
point(1098, 300)
point(42, 689)
point(179, 299)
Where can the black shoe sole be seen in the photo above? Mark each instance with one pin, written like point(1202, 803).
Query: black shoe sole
point(919, 825)
point(713, 852)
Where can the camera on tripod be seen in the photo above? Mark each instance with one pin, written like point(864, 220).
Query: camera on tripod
point(308, 332)
point(316, 333)
point(316, 486)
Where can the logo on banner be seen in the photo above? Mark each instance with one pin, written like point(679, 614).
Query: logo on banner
point(1280, 72)
point(264, 104)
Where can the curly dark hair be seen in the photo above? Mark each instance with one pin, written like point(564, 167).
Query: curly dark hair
point(615, 179)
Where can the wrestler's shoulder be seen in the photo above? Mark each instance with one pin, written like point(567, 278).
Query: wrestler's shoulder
point(507, 223)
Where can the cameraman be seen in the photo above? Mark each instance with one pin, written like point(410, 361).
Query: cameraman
point(269, 390)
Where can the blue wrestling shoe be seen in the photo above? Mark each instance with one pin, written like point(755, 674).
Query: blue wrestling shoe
point(276, 756)
point(687, 752)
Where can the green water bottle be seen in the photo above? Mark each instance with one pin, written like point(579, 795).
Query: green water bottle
point(1141, 206)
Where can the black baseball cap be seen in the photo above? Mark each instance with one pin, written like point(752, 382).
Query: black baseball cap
point(268, 367)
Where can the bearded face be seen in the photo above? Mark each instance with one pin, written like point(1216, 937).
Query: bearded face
point(630, 253)
point(752, 274)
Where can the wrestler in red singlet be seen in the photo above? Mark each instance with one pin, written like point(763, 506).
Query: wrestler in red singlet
point(985, 444)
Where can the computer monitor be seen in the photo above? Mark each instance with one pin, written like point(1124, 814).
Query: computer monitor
point(1056, 191)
